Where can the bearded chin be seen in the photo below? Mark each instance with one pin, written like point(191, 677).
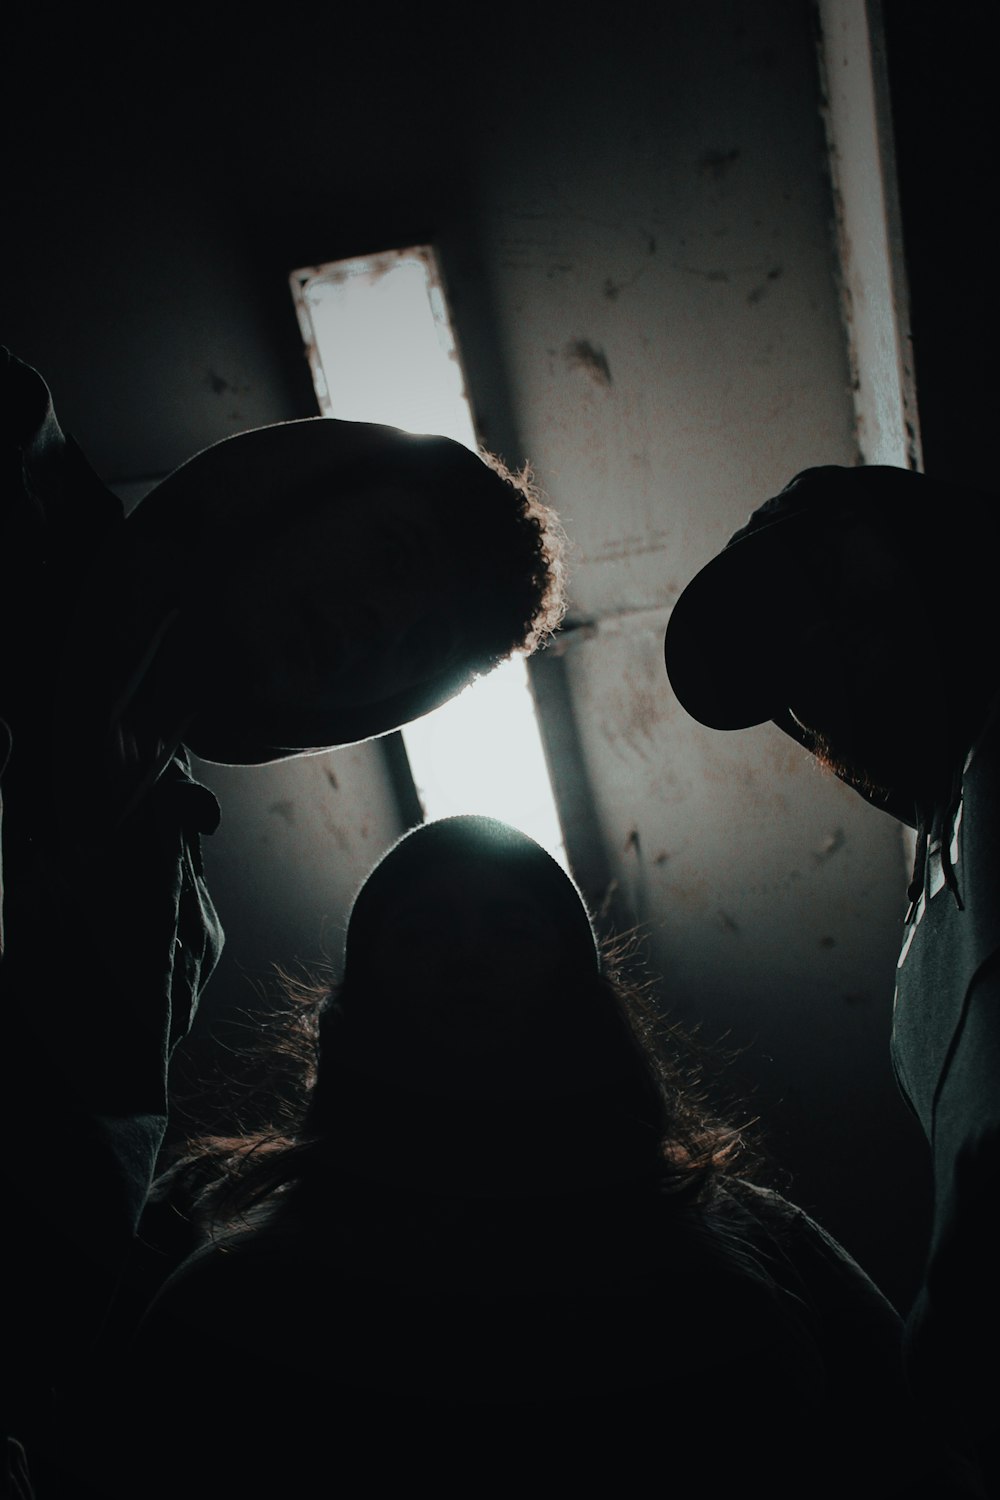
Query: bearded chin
point(840, 762)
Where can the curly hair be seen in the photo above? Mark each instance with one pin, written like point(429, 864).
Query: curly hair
point(502, 542)
point(527, 575)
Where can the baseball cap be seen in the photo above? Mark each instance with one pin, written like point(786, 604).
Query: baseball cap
point(731, 633)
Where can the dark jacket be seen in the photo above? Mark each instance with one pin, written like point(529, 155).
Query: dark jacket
point(109, 932)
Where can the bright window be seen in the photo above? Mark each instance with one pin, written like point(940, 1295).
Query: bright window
point(381, 349)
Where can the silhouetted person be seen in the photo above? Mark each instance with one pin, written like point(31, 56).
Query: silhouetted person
point(856, 609)
point(292, 588)
point(503, 1245)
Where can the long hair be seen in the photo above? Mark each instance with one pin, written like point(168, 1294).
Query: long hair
point(226, 1183)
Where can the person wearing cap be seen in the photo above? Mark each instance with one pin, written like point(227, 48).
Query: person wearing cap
point(296, 587)
point(869, 595)
point(499, 1240)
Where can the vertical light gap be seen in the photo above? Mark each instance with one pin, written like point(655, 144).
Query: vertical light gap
point(381, 349)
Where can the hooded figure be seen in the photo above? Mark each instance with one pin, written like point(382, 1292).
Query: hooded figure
point(855, 610)
point(473, 983)
point(503, 1238)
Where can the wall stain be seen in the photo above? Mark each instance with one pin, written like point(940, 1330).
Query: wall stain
point(612, 288)
point(580, 354)
point(708, 275)
point(607, 900)
point(758, 292)
point(332, 779)
point(218, 384)
point(644, 710)
point(337, 833)
point(284, 809)
point(830, 846)
point(716, 164)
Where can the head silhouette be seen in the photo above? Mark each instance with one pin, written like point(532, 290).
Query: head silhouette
point(317, 583)
point(474, 1007)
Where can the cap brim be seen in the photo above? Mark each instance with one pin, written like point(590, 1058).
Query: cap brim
point(729, 639)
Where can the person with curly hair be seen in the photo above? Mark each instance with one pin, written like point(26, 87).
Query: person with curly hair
point(289, 589)
point(501, 1240)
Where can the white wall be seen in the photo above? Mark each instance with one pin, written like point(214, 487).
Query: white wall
point(660, 236)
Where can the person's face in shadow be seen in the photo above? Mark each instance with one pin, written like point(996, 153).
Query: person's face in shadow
point(299, 592)
point(343, 609)
point(467, 992)
point(863, 681)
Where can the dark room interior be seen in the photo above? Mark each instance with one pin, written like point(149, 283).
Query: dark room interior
point(652, 229)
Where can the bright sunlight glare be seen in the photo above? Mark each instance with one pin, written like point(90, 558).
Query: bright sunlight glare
point(381, 349)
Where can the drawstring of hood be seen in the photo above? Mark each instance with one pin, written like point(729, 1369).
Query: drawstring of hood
point(934, 834)
point(915, 888)
point(934, 825)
